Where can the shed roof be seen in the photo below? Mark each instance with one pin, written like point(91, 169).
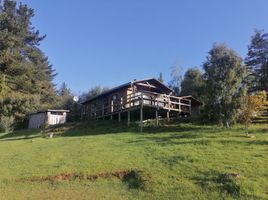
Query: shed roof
point(49, 110)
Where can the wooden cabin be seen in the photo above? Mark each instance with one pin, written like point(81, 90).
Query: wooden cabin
point(149, 97)
point(49, 117)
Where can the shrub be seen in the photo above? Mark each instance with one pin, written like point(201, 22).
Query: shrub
point(6, 123)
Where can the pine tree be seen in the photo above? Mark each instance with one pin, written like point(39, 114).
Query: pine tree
point(25, 72)
point(257, 60)
point(225, 86)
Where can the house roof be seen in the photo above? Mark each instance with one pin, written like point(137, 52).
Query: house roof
point(128, 85)
point(194, 101)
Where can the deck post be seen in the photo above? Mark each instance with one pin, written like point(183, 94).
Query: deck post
point(168, 116)
point(119, 116)
point(156, 113)
point(156, 117)
point(141, 113)
point(168, 108)
point(112, 109)
point(128, 118)
point(103, 111)
point(190, 108)
point(179, 105)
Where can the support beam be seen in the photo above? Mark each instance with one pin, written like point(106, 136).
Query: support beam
point(103, 111)
point(128, 118)
point(119, 117)
point(112, 109)
point(168, 108)
point(156, 118)
point(141, 113)
point(190, 108)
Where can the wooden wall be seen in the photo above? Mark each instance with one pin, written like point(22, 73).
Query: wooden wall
point(39, 120)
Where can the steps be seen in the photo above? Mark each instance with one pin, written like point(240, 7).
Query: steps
point(262, 119)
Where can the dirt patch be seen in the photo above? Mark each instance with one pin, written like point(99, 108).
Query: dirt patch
point(134, 179)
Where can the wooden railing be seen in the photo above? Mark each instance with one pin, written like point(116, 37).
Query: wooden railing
point(143, 98)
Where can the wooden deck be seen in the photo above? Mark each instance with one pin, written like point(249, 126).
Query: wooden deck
point(139, 100)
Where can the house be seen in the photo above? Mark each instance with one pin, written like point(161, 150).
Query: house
point(49, 117)
point(145, 98)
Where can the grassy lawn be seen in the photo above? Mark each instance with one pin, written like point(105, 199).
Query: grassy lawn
point(106, 160)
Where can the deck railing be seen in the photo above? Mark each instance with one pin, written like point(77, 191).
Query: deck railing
point(137, 99)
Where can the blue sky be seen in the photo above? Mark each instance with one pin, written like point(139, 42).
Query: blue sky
point(110, 42)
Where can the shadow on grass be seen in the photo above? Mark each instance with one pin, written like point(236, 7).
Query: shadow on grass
point(212, 180)
point(21, 135)
point(112, 127)
point(91, 128)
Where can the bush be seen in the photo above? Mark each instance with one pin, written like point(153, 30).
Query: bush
point(6, 123)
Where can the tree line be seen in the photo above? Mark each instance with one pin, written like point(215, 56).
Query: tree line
point(226, 81)
point(26, 75)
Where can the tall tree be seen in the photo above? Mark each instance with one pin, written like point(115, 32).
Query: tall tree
point(193, 83)
point(25, 72)
point(225, 86)
point(161, 78)
point(176, 78)
point(257, 59)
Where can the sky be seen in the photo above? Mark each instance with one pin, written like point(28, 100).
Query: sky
point(111, 42)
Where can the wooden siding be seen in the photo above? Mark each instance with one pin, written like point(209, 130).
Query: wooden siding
point(39, 120)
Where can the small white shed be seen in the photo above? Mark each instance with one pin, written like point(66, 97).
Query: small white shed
point(50, 117)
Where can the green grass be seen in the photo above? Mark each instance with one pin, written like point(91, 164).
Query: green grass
point(178, 161)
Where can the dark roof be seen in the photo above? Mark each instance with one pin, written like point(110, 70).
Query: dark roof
point(193, 100)
point(124, 86)
point(49, 110)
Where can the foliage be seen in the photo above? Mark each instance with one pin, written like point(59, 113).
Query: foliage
point(6, 123)
point(160, 78)
point(66, 102)
point(25, 73)
point(225, 77)
point(193, 83)
point(176, 79)
point(257, 60)
point(253, 107)
point(183, 161)
point(93, 92)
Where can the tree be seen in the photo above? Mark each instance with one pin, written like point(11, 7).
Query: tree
point(257, 60)
point(65, 95)
point(176, 78)
point(25, 73)
point(193, 83)
point(67, 102)
point(93, 92)
point(225, 86)
point(161, 78)
point(253, 107)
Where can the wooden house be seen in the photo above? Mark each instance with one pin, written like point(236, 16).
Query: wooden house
point(49, 117)
point(147, 97)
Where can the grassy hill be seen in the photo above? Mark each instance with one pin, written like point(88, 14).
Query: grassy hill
point(107, 160)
